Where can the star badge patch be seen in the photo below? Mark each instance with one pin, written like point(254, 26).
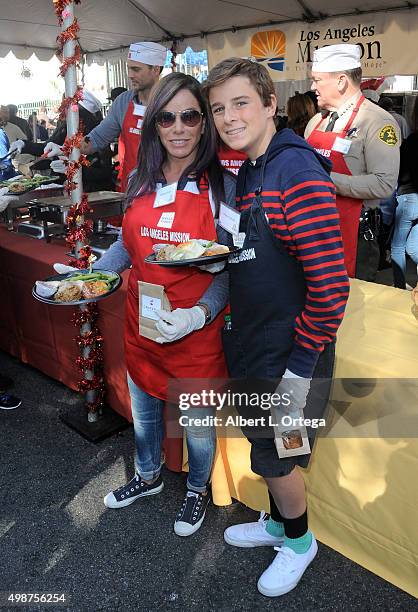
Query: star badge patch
point(388, 135)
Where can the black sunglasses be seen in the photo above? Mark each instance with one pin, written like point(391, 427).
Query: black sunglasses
point(189, 117)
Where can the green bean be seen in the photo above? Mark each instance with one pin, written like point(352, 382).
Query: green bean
point(94, 276)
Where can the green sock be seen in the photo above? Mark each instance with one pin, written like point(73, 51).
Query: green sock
point(299, 545)
point(275, 528)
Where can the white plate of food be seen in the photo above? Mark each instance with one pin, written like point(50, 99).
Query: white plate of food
point(195, 252)
point(77, 287)
point(21, 184)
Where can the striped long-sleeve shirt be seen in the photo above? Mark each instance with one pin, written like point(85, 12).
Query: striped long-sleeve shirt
point(299, 202)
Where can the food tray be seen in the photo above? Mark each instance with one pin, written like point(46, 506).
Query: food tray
point(60, 277)
point(29, 184)
point(198, 261)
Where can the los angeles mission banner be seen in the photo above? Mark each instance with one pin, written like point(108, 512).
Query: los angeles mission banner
point(389, 44)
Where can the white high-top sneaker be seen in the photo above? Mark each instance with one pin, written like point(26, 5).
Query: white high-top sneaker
point(249, 535)
point(286, 570)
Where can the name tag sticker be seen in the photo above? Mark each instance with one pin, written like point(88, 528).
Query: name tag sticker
point(165, 195)
point(149, 305)
point(166, 220)
point(229, 219)
point(139, 110)
point(239, 240)
point(342, 145)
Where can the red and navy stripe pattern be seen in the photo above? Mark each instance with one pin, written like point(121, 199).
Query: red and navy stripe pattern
point(305, 219)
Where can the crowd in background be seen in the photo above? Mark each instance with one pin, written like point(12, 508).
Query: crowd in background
point(398, 231)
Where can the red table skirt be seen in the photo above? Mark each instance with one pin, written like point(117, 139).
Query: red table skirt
point(43, 336)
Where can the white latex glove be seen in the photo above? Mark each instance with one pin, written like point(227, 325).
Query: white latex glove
point(5, 201)
point(62, 268)
point(3, 191)
point(213, 268)
point(16, 145)
point(58, 165)
point(52, 149)
point(177, 324)
point(296, 388)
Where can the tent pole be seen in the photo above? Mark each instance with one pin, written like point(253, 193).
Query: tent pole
point(76, 194)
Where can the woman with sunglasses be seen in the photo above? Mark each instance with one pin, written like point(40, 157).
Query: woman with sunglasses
point(175, 192)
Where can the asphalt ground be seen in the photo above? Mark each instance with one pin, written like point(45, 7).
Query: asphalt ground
point(56, 536)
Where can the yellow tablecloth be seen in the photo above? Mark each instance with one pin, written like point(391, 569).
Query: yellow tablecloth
point(363, 491)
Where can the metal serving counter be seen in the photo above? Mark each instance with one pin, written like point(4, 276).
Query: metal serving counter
point(43, 213)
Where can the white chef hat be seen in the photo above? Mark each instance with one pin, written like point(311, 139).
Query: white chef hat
point(336, 58)
point(90, 102)
point(150, 53)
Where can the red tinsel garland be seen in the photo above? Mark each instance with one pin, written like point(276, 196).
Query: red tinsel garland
point(60, 6)
point(91, 337)
point(67, 102)
point(91, 362)
point(72, 167)
point(94, 362)
point(71, 142)
point(79, 234)
point(90, 314)
point(78, 228)
point(71, 61)
point(69, 34)
point(90, 384)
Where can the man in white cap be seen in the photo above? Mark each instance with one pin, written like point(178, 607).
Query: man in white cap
point(124, 119)
point(362, 141)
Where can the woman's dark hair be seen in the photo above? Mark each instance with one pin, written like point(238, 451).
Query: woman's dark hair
point(152, 155)
point(300, 109)
point(312, 95)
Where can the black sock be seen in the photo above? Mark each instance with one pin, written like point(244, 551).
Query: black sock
point(296, 527)
point(274, 511)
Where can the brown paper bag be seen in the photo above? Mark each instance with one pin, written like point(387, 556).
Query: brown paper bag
point(151, 298)
point(290, 440)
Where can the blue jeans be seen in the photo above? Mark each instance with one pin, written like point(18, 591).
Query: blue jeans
point(147, 414)
point(387, 208)
point(405, 236)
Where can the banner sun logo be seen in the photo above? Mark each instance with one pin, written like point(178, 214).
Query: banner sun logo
point(269, 47)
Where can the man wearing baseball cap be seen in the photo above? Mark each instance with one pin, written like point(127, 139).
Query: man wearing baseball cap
point(124, 119)
point(362, 141)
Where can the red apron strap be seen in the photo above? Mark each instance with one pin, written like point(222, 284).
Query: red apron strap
point(353, 114)
point(319, 122)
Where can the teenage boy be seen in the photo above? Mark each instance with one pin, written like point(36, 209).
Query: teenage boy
point(288, 291)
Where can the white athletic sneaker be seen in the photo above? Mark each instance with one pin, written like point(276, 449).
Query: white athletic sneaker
point(249, 535)
point(286, 570)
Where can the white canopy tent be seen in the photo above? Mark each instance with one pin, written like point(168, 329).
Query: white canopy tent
point(30, 26)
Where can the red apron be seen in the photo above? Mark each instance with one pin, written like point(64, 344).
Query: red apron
point(200, 354)
point(230, 159)
point(129, 140)
point(348, 208)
